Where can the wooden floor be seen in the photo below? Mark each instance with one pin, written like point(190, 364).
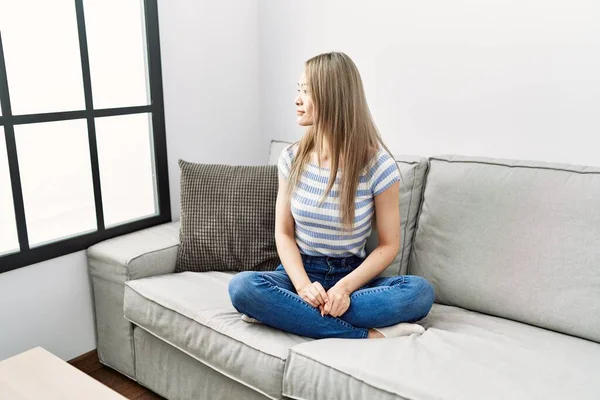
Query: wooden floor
point(122, 384)
point(118, 382)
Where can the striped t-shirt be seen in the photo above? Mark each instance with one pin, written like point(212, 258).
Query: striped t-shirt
point(318, 230)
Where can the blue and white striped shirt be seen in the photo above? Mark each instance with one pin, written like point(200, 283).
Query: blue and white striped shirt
point(318, 229)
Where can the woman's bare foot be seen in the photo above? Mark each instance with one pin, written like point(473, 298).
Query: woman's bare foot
point(373, 334)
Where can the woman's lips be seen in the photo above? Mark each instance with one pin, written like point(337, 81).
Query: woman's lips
point(300, 112)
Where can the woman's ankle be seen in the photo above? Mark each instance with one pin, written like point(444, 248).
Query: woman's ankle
point(373, 334)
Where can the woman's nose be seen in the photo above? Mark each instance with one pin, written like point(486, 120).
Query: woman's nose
point(297, 101)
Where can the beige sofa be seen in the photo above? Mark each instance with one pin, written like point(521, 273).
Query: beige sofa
point(512, 248)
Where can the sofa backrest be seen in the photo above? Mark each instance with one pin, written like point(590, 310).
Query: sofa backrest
point(275, 150)
point(412, 169)
point(514, 239)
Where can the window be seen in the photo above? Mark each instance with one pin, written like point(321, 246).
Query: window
point(82, 135)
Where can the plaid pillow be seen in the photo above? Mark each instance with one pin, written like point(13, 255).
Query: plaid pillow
point(227, 218)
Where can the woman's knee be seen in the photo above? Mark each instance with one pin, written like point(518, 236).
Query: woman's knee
point(240, 286)
point(427, 290)
point(424, 295)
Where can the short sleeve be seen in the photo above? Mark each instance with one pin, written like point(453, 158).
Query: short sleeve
point(284, 164)
point(384, 173)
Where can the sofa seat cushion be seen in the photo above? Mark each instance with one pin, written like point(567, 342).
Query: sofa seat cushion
point(461, 355)
point(192, 312)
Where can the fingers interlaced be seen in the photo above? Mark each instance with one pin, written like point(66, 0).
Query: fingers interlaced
point(321, 291)
point(318, 292)
point(316, 296)
point(311, 298)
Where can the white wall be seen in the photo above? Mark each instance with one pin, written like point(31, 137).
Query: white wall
point(48, 304)
point(211, 92)
point(211, 84)
point(510, 79)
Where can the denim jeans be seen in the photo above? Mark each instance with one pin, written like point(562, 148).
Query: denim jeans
point(271, 298)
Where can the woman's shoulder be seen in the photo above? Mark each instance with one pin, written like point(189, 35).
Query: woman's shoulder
point(377, 155)
point(289, 152)
point(293, 147)
point(374, 152)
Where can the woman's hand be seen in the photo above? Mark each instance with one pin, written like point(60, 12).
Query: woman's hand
point(314, 294)
point(338, 301)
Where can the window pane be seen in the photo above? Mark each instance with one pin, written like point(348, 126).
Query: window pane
point(127, 172)
point(41, 48)
point(117, 50)
point(54, 162)
point(9, 241)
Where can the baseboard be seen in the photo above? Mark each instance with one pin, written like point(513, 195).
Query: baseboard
point(87, 362)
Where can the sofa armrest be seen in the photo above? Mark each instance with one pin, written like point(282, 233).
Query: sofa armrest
point(141, 254)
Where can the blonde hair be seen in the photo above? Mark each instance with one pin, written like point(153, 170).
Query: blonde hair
point(342, 117)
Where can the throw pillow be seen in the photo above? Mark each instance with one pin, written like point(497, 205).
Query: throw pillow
point(227, 218)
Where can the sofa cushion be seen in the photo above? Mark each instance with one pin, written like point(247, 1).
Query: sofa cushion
point(413, 170)
point(227, 218)
point(515, 239)
point(461, 355)
point(192, 312)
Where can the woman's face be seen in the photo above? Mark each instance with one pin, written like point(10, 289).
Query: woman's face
point(304, 104)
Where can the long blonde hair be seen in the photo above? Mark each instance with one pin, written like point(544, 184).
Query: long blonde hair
point(341, 116)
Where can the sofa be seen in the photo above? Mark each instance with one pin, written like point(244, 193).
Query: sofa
point(511, 246)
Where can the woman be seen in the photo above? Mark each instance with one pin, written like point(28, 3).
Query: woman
point(331, 184)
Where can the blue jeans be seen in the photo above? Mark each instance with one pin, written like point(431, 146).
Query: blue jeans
point(271, 298)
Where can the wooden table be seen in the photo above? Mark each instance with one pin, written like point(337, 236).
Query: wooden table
point(39, 374)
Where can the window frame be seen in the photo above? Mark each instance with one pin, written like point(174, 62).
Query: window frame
point(26, 255)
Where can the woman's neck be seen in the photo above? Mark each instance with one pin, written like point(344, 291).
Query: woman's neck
point(325, 150)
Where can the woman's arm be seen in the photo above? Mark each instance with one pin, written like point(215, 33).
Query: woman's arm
point(286, 241)
point(387, 209)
